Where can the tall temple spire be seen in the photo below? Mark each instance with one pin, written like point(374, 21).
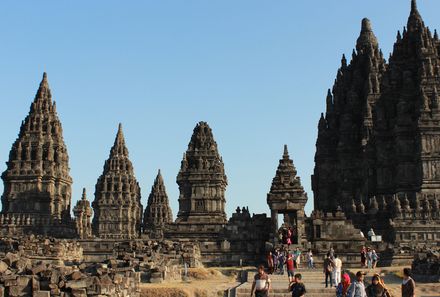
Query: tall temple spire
point(415, 20)
point(202, 180)
point(158, 211)
point(367, 41)
point(39, 163)
point(117, 204)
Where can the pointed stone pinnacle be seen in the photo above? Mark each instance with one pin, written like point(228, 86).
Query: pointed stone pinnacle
point(84, 195)
point(413, 5)
point(286, 152)
point(366, 25)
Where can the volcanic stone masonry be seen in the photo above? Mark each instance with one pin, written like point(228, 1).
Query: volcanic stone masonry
point(83, 214)
point(378, 144)
point(117, 204)
point(37, 184)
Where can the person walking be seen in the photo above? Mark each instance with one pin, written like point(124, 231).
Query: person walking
point(310, 264)
point(342, 289)
point(363, 257)
point(328, 268)
point(408, 284)
point(297, 257)
point(369, 258)
point(374, 258)
point(290, 268)
point(297, 287)
point(270, 262)
point(377, 287)
point(357, 288)
point(262, 284)
point(337, 271)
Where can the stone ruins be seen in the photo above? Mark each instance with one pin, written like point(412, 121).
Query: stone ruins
point(377, 164)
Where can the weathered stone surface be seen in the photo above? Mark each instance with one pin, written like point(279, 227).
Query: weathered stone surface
point(37, 184)
point(83, 213)
point(117, 186)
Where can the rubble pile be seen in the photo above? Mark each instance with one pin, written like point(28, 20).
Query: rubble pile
point(426, 266)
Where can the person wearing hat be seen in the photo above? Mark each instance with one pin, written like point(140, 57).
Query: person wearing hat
point(357, 288)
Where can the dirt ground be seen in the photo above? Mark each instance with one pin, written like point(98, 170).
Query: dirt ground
point(202, 283)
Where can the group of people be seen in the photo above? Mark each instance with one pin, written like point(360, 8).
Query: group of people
point(377, 288)
point(369, 257)
point(281, 258)
point(332, 269)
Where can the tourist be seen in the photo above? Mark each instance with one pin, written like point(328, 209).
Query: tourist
point(357, 288)
point(377, 287)
point(270, 262)
point(297, 286)
point(261, 285)
point(290, 267)
point(275, 260)
point(343, 286)
point(328, 268)
point(369, 258)
point(281, 261)
point(363, 257)
point(408, 284)
point(332, 253)
point(371, 234)
point(374, 258)
point(337, 271)
point(310, 264)
point(289, 236)
point(297, 257)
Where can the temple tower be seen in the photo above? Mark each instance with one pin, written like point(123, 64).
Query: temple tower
point(83, 214)
point(344, 132)
point(287, 197)
point(37, 184)
point(202, 180)
point(158, 211)
point(117, 205)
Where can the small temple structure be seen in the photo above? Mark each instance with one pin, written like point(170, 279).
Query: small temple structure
point(117, 205)
point(158, 212)
point(83, 215)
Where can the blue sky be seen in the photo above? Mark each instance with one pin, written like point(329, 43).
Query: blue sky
point(256, 71)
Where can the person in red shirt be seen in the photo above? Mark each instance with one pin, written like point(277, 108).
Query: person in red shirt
point(290, 268)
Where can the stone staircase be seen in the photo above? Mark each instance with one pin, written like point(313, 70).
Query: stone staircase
point(313, 280)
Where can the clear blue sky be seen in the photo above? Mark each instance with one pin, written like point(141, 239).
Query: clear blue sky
point(256, 71)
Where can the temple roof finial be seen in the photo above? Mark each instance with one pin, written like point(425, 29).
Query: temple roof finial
point(286, 152)
point(366, 25)
point(84, 195)
point(367, 40)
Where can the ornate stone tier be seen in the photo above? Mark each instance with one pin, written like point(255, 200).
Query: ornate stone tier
point(202, 180)
point(37, 184)
point(117, 205)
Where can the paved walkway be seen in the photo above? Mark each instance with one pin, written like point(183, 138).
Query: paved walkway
point(313, 280)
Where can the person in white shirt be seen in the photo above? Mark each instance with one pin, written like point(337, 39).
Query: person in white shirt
point(337, 271)
point(357, 288)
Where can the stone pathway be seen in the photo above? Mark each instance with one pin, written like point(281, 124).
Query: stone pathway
point(313, 280)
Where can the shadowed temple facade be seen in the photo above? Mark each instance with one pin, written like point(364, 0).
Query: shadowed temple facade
point(377, 165)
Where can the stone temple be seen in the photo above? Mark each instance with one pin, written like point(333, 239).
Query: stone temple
point(377, 164)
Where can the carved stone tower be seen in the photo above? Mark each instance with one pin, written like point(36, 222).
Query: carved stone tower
point(37, 184)
point(158, 212)
point(341, 159)
point(287, 197)
point(117, 204)
point(83, 214)
point(202, 180)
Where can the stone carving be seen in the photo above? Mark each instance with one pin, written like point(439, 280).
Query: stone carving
point(202, 180)
point(117, 205)
point(37, 186)
point(158, 212)
point(83, 214)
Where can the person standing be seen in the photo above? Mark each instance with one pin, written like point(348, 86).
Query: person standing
point(281, 261)
point(363, 257)
point(310, 259)
point(377, 287)
point(357, 288)
point(290, 268)
point(374, 258)
point(297, 257)
point(369, 258)
point(328, 268)
point(270, 262)
point(261, 285)
point(275, 260)
point(408, 284)
point(297, 287)
point(337, 271)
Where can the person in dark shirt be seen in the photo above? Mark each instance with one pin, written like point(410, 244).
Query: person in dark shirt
point(297, 287)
